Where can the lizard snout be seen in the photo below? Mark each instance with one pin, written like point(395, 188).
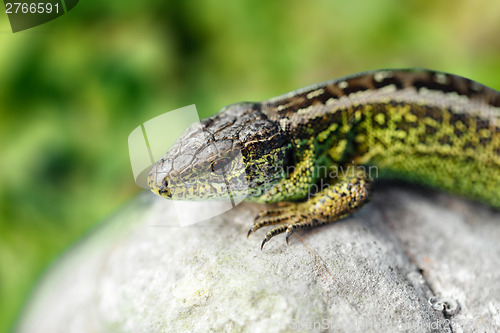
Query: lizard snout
point(158, 182)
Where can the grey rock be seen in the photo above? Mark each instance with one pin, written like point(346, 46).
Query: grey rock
point(409, 261)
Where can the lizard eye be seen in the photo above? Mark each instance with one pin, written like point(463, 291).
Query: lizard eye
point(221, 165)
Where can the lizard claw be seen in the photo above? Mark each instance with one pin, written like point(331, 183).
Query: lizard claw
point(263, 242)
point(289, 232)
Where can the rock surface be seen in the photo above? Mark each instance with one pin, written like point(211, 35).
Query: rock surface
point(408, 261)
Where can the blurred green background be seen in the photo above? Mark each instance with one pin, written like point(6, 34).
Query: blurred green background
point(73, 89)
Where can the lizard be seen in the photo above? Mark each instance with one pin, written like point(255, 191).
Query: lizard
point(316, 151)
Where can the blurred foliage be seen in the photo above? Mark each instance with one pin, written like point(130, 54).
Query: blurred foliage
point(72, 90)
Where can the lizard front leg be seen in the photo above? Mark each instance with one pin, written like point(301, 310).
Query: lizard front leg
point(331, 204)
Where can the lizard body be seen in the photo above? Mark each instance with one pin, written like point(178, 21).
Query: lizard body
point(323, 145)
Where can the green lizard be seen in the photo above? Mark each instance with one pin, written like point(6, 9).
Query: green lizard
point(319, 148)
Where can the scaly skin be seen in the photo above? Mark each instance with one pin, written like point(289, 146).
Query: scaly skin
point(323, 145)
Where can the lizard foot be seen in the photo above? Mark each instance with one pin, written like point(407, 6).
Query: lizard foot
point(292, 217)
point(273, 216)
point(331, 204)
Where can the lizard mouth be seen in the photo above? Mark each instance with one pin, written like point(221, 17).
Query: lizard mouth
point(166, 193)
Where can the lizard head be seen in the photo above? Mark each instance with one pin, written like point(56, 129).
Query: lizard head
point(238, 151)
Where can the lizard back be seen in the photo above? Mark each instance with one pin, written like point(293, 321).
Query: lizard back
point(421, 126)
